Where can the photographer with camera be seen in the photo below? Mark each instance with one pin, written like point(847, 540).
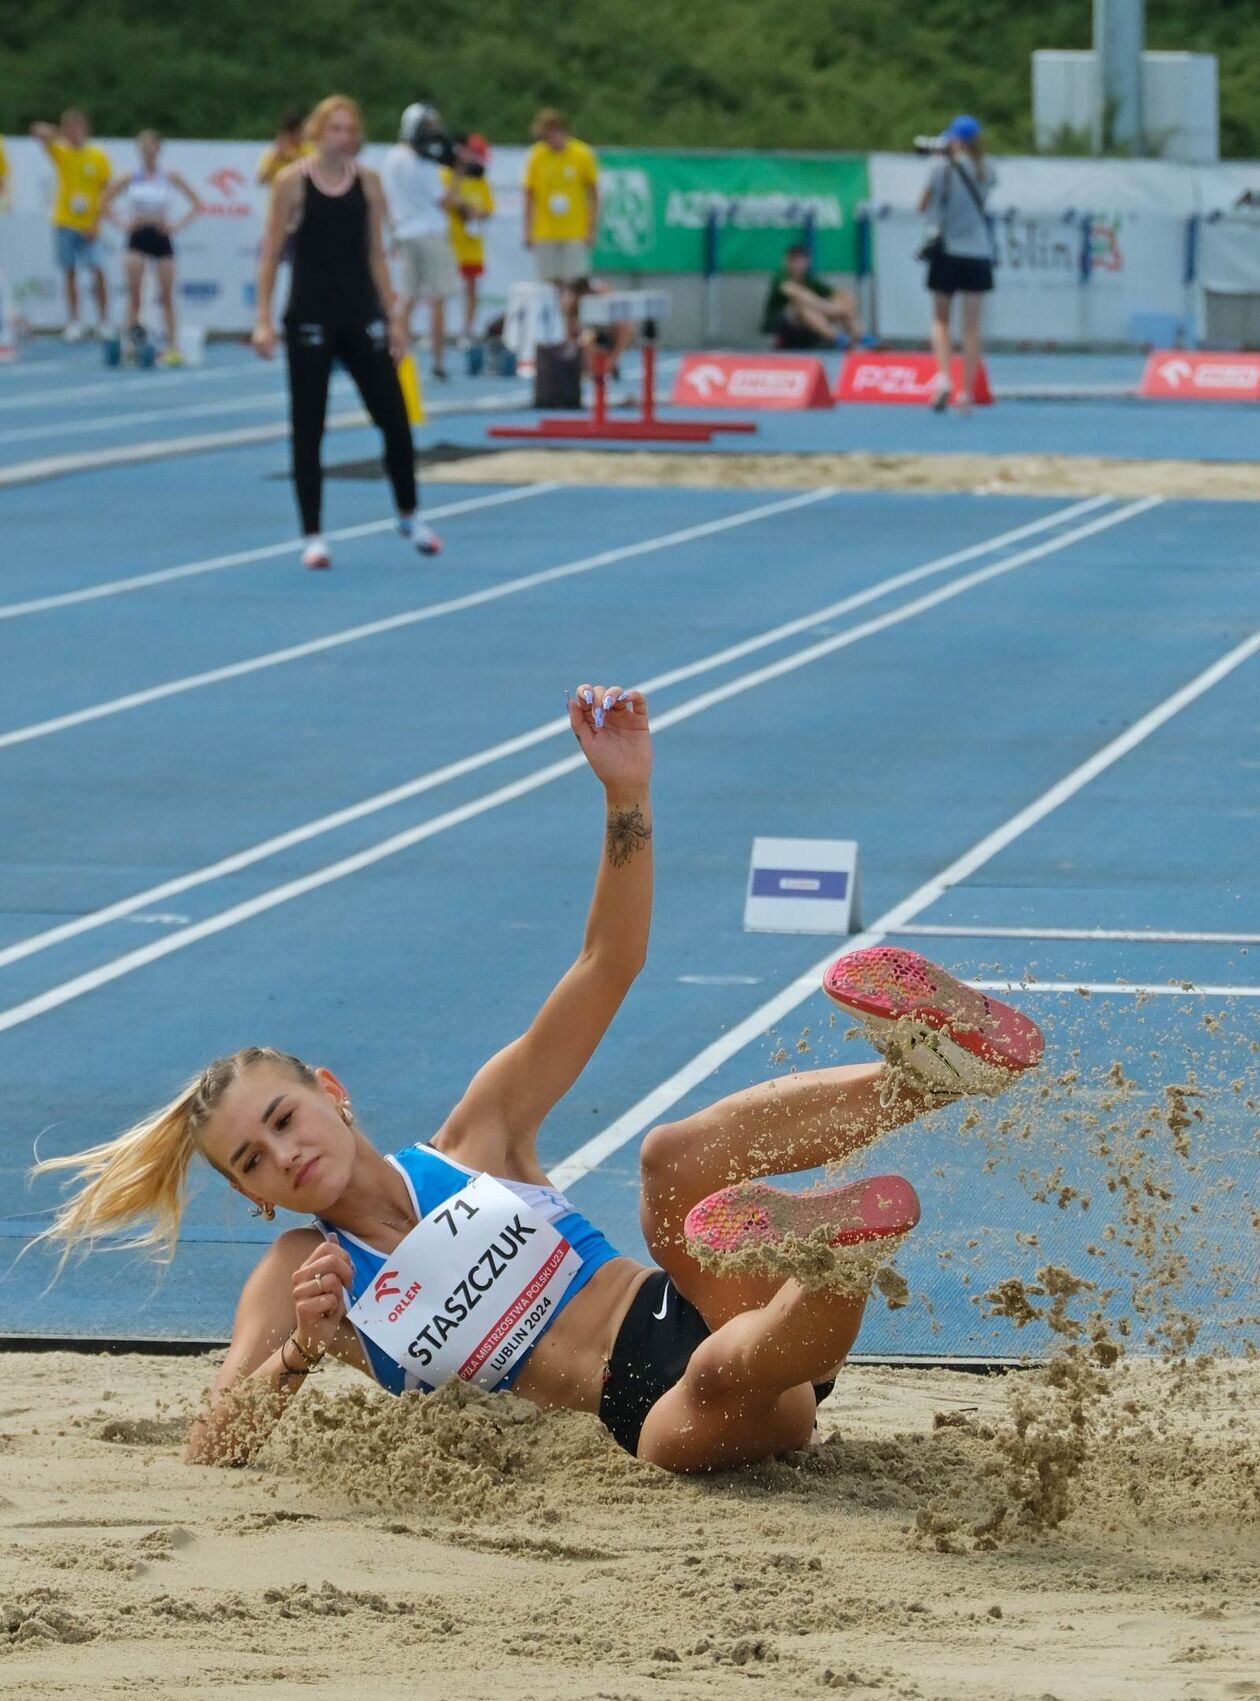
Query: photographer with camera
point(958, 249)
point(420, 201)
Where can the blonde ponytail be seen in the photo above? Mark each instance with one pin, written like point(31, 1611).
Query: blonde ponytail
point(138, 1178)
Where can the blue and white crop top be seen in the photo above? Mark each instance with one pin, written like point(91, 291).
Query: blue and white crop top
point(431, 1179)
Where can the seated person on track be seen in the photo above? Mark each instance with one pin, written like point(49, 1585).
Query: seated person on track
point(804, 311)
point(715, 1359)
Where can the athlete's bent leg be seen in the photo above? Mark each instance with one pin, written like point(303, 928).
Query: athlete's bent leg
point(746, 1393)
point(310, 354)
point(797, 1122)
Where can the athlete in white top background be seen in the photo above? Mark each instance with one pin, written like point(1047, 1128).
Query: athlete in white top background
point(150, 198)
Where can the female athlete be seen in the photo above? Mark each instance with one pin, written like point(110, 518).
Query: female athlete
point(150, 197)
point(339, 308)
point(456, 1256)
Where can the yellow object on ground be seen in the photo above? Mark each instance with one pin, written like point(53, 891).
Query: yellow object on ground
point(409, 383)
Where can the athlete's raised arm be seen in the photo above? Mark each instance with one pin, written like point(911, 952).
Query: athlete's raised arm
point(499, 1116)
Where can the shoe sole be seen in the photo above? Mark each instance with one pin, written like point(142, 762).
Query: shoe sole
point(753, 1215)
point(959, 1038)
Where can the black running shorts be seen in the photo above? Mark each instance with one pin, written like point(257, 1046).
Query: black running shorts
point(653, 1348)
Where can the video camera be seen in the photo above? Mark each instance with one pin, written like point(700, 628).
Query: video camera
point(422, 128)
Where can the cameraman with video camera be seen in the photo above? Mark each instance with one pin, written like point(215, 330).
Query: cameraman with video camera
point(419, 202)
point(958, 249)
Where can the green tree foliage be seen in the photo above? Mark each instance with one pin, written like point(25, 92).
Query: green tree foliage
point(825, 74)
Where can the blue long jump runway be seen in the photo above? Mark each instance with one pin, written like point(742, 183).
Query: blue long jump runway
point(408, 918)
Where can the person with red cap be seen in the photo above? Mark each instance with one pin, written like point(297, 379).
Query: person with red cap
point(471, 205)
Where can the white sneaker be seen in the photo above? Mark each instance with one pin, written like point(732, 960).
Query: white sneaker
point(73, 332)
point(316, 553)
point(941, 393)
point(424, 540)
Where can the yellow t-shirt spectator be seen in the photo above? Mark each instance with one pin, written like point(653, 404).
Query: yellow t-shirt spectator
point(4, 170)
point(82, 176)
point(273, 160)
point(468, 240)
point(559, 179)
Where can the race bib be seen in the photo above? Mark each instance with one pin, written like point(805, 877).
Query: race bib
point(470, 1289)
point(559, 203)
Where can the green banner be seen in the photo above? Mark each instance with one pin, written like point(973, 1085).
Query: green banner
point(654, 208)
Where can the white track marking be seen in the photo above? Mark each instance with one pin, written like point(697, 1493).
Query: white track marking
point(153, 383)
point(239, 860)
point(1140, 935)
point(164, 448)
point(120, 421)
point(398, 622)
point(267, 552)
point(397, 842)
point(1117, 988)
point(664, 1097)
point(518, 493)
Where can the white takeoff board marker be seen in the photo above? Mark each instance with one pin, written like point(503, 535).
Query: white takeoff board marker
point(803, 886)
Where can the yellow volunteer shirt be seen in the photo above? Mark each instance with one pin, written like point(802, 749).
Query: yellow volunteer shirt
point(468, 240)
point(82, 175)
point(273, 160)
point(4, 167)
point(559, 179)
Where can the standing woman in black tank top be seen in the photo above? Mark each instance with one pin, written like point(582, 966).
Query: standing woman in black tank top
point(340, 308)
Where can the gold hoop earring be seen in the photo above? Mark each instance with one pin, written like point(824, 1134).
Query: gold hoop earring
point(347, 1115)
point(268, 1211)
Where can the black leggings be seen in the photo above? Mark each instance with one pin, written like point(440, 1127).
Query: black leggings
point(364, 352)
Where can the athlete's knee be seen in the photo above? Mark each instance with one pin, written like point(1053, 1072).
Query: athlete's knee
point(663, 1151)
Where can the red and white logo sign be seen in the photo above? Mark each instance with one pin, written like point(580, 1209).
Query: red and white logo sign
point(752, 381)
point(384, 1285)
point(885, 375)
point(228, 200)
point(1190, 376)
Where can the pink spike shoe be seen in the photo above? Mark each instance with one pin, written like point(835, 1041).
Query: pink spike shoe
point(753, 1216)
point(949, 1036)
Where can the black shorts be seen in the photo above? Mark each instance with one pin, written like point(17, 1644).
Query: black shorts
point(147, 239)
point(653, 1348)
point(954, 274)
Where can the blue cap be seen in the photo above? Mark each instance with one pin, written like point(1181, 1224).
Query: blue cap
point(964, 128)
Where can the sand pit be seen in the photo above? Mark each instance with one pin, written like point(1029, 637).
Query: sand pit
point(1050, 475)
point(470, 1547)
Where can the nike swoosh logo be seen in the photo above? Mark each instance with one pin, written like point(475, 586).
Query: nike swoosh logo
point(659, 1315)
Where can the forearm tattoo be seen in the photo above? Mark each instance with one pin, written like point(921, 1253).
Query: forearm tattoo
point(627, 834)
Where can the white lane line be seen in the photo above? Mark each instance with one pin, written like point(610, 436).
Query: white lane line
point(662, 1098)
point(164, 575)
point(397, 622)
point(266, 552)
point(164, 448)
point(1119, 988)
point(345, 866)
point(1139, 935)
point(342, 390)
point(256, 853)
point(159, 383)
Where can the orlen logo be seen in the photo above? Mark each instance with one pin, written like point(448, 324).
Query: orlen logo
point(750, 383)
point(384, 1285)
point(228, 183)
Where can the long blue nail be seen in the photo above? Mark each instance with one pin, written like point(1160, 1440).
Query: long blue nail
point(599, 719)
point(588, 696)
point(609, 699)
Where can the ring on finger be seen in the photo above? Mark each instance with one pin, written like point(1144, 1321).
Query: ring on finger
point(319, 1282)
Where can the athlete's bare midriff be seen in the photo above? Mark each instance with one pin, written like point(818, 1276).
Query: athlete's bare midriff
point(567, 1366)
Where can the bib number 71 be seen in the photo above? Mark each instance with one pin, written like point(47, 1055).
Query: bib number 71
point(447, 1215)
